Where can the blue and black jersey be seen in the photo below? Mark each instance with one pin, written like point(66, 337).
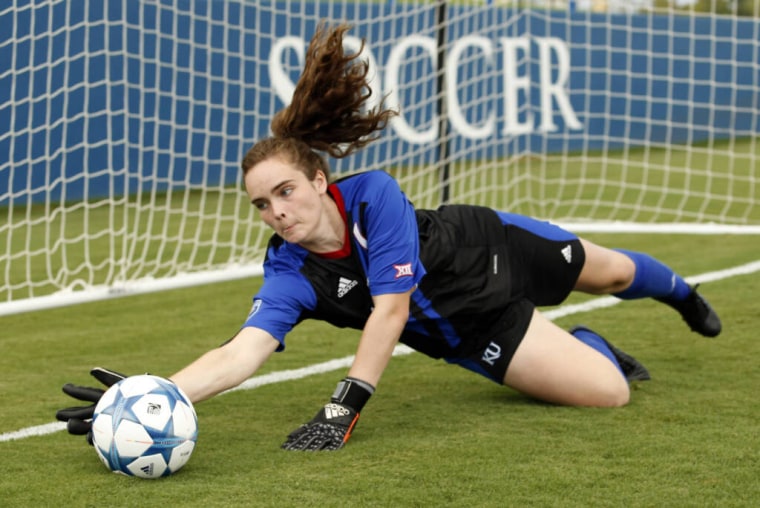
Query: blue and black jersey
point(463, 261)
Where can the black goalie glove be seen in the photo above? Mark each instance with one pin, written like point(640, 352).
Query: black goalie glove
point(79, 418)
point(331, 428)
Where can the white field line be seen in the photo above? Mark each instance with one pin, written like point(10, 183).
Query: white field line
point(340, 363)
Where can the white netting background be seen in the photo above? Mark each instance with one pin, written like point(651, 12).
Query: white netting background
point(124, 123)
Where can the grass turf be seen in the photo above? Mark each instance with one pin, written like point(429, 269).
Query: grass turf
point(434, 435)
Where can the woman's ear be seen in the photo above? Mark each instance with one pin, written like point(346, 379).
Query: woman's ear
point(320, 181)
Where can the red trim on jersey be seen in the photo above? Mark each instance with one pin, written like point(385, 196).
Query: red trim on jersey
point(334, 192)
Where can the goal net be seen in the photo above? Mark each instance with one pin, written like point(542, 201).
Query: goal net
point(122, 124)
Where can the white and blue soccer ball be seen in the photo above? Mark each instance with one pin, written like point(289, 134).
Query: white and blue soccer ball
point(144, 426)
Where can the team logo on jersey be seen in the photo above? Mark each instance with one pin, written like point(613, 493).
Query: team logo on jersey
point(345, 285)
point(404, 270)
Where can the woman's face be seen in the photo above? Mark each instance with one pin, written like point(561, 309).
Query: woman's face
point(288, 202)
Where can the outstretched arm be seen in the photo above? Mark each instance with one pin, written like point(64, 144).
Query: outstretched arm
point(380, 335)
point(331, 427)
point(226, 366)
point(219, 369)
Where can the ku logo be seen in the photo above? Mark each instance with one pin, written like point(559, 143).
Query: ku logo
point(403, 270)
point(492, 353)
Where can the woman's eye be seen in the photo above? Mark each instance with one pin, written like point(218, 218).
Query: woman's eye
point(260, 206)
point(286, 191)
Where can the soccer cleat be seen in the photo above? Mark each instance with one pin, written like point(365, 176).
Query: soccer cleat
point(632, 369)
point(697, 313)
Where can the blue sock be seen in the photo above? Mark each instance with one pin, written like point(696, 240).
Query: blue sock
point(591, 338)
point(653, 279)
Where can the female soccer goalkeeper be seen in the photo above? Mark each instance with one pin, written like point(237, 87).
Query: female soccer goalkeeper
point(460, 283)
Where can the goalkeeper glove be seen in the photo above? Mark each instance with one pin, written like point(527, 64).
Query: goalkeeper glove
point(333, 424)
point(79, 418)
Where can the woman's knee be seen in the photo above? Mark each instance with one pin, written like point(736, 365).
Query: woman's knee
point(615, 394)
point(553, 366)
point(609, 393)
point(606, 271)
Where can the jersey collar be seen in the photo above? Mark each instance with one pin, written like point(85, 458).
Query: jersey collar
point(334, 192)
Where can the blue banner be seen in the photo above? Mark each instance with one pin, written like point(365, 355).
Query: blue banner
point(113, 97)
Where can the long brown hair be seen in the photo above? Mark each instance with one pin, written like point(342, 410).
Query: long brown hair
point(326, 113)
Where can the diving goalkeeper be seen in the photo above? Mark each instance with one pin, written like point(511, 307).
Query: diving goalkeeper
point(461, 283)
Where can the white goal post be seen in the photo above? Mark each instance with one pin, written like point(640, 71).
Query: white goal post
point(122, 125)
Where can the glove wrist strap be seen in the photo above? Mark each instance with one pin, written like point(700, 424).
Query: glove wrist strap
point(353, 393)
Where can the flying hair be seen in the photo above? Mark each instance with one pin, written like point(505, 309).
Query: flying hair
point(327, 111)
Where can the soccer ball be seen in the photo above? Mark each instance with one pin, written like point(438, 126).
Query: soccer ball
point(144, 426)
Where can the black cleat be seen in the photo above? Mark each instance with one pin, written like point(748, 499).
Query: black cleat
point(632, 369)
point(697, 313)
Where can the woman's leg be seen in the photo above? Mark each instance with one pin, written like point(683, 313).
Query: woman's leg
point(630, 275)
point(552, 365)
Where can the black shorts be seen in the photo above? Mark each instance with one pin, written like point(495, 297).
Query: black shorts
point(545, 263)
point(490, 354)
point(543, 270)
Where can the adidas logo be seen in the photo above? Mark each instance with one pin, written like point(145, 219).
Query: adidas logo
point(335, 411)
point(344, 286)
point(567, 253)
point(148, 470)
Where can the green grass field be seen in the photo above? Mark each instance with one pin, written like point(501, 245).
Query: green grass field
point(433, 435)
